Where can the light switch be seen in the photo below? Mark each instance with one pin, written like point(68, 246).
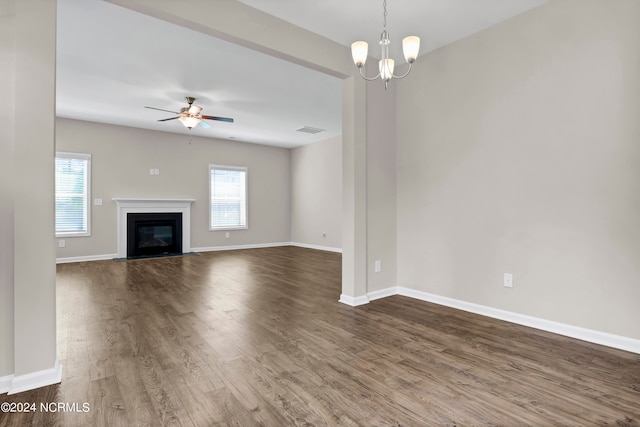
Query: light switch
point(508, 280)
point(97, 202)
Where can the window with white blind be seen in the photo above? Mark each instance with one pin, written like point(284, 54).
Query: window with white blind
point(228, 197)
point(73, 181)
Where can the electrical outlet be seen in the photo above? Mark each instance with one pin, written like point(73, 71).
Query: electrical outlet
point(377, 266)
point(62, 243)
point(227, 235)
point(508, 280)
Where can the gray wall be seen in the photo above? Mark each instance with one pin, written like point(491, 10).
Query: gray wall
point(316, 194)
point(122, 157)
point(518, 151)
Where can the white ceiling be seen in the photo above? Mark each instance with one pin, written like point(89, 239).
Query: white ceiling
point(111, 62)
point(436, 22)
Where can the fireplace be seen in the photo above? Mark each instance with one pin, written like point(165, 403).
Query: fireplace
point(158, 231)
point(154, 234)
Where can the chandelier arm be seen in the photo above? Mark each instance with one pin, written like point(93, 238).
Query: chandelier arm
point(405, 74)
point(368, 78)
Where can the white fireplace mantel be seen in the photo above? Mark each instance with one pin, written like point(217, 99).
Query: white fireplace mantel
point(129, 205)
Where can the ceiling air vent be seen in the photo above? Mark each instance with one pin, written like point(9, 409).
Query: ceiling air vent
point(309, 129)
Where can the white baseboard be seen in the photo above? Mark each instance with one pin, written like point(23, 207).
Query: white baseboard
point(238, 247)
point(603, 338)
point(266, 245)
point(65, 260)
point(35, 380)
point(370, 296)
point(596, 337)
point(204, 249)
point(5, 383)
point(383, 293)
point(318, 247)
point(85, 258)
point(354, 301)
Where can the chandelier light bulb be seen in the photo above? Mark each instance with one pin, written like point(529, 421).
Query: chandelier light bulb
point(359, 51)
point(386, 69)
point(410, 48)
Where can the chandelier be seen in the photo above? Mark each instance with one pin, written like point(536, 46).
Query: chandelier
point(410, 48)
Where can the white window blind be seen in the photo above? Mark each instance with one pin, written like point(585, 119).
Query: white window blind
point(73, 175)
point(228, 197)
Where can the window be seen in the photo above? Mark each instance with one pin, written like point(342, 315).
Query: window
point(228, 197)
point(73, 175)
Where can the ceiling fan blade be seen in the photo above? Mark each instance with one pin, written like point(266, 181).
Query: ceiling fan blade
point(170, 118)
point(204, 124)
point(220, 119)
point(160, 109)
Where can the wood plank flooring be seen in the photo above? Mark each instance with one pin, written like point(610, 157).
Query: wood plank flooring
point(258, 337)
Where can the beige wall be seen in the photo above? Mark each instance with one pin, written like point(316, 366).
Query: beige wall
point(34, 291)
point(27, 280)
point(122, 157)
point(316, 194)
point(518, 152)
point(7, 108)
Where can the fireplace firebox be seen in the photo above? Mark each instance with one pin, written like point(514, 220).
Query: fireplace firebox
point(153, 234)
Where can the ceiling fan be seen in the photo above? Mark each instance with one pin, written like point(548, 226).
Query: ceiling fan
point(190, 116)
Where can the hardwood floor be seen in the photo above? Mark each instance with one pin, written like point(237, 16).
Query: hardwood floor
point(258, 337)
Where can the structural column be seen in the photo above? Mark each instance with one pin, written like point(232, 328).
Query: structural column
point(7, 107)
point(354, 192)
point(35, 360)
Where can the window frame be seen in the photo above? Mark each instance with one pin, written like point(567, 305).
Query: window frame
point(87, 158)
point(244, 169)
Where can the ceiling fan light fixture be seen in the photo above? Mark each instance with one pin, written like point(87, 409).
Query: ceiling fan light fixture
point(189, 122)
point(194, 110)
point(190, 116)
